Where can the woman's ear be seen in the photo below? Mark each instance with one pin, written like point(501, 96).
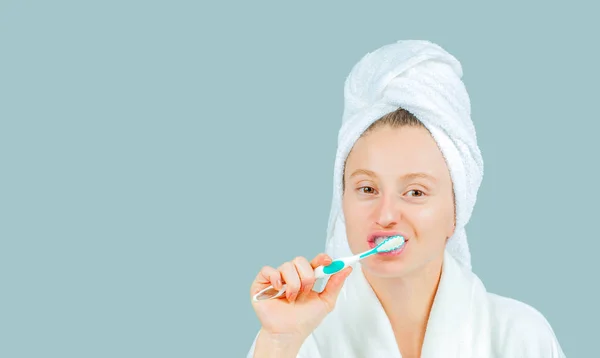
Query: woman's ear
point(451, 229)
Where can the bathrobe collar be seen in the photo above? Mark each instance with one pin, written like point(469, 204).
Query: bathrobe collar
point(359, 326)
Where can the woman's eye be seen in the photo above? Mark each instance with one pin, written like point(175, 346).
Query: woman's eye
point(419, 193)
point(366, 190)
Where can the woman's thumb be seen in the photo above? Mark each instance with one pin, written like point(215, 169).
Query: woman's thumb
point(334, 286)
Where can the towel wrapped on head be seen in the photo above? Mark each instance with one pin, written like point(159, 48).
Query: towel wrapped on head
point(424, 79)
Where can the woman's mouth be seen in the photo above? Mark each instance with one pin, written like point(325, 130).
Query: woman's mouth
point(377, 238)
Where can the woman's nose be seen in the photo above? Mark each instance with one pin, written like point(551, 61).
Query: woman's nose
point(389, 211)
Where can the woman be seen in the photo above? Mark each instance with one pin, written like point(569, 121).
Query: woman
point(407, 163)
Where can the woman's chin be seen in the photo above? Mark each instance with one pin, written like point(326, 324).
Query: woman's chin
point(385, 268)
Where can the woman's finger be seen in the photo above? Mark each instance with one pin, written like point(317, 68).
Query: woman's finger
point(334, 286)
point(320, 259)
point(266, 276)
point(306, 273)
point(292, 280)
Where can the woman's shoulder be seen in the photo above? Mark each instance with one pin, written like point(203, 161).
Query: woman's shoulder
point(520, 328)
point(510, 311)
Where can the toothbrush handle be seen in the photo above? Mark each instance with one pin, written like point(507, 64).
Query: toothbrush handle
point(323, 271)
point(335, 267)
point(320, 272)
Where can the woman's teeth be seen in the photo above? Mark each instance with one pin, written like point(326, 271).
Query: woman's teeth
point(379, 240)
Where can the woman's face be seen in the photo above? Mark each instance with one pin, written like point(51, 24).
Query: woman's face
point(397, 182)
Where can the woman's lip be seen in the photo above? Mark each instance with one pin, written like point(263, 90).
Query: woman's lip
point(371, 238)
point(391, 253)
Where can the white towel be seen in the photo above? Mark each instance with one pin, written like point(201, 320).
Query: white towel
point(424, 79)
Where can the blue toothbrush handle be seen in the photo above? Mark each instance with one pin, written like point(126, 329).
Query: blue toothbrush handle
point(320, 272)
point(334, 267)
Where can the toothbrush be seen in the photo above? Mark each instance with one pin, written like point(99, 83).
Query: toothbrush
point(389, 244)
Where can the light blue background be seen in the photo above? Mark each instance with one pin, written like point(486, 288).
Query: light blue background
point(154, 155)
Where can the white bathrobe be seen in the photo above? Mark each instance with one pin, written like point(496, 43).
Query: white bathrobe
point(466, 321)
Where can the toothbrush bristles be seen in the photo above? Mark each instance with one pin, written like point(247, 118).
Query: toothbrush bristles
point(390, 244)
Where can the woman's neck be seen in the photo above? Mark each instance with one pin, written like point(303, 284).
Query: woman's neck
point(407, 301)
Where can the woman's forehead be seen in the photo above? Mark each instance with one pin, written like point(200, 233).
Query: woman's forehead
point(408, 151)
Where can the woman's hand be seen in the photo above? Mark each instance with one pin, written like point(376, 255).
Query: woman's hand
point(293, 317)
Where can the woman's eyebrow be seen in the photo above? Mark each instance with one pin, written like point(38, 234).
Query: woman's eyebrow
point(363, 171)
point(411, 176)
point(408, 176)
